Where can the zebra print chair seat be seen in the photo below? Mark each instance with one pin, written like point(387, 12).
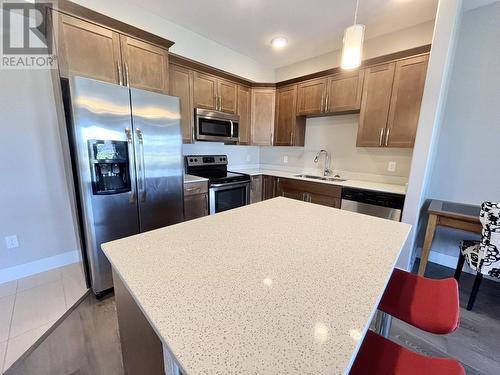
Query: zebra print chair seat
point(482, 256)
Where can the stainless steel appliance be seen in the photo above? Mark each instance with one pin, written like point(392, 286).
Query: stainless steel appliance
point(226, 190)
point(127, 161)
point(216, 126)
point(374, 203)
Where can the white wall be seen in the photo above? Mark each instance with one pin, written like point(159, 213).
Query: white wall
point(435, 91)
point(238, 156)
point(466, 167)
point(415, 36)
point(337, 135)
point(34, 198)
point(187, 43)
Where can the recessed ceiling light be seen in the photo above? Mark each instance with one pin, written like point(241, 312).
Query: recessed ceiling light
point(279, 42)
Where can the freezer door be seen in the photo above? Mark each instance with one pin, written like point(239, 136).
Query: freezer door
point(100, 131)
point(159, 162)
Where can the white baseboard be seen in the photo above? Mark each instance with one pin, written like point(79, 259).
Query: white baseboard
point(443, 259)
point(37, 266)
point(449, 261)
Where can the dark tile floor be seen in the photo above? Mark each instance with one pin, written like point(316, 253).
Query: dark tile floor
point(87, 341)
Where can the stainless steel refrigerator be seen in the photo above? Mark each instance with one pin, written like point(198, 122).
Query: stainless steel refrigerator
point(126, 151)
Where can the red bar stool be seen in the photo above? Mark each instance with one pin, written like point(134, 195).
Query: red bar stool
point(379, 355)
point(428, 304)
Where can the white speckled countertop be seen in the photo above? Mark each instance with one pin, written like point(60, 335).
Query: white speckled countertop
point(277, 287)
point(376, 186)
point(188, 178)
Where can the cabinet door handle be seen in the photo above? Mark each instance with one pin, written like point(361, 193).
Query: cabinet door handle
point(120, 75)
point(322, 103)
point(126, 75)
point(326, 102)
point(387, 136)
point(381, 138)
point(291, 139)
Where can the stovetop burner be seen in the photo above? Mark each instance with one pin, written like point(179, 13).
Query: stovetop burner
point(212, 167)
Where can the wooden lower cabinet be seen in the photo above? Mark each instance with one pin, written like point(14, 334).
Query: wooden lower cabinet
point(269, 187)
point(256, 189)
point(313, 192)
point(195, 200)
point(142, 350)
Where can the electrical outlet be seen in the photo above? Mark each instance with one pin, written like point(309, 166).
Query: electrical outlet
point(285, 159)
point(11, 242)
point(391, 167)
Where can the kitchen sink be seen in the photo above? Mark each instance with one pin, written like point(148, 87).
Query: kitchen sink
point(338, 179)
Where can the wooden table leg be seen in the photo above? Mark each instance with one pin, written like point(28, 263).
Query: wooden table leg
point(429, 236)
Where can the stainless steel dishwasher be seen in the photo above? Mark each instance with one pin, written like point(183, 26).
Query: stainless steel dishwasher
point(373, 203)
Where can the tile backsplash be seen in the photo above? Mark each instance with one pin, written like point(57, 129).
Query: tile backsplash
point(336, 134)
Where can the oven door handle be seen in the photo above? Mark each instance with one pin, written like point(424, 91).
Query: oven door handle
point(230, 184)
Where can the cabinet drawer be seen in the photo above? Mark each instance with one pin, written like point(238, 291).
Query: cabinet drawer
point(193, 188)
point(318, 188)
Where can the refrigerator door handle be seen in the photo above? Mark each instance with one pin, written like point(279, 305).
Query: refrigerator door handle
point(132, 194)
point(141, 166)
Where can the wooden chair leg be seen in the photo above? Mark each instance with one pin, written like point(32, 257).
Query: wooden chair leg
point(460, 266)
point(475, 289)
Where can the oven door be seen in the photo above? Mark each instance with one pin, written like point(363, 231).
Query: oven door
point(223, 197)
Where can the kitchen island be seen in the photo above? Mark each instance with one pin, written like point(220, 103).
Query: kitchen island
point(277, 287)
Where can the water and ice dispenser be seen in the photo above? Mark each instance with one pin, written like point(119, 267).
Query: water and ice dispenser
point(109, 166)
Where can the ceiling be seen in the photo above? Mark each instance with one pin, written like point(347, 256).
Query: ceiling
point(312, 27)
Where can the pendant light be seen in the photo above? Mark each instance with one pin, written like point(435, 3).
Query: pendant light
point(353, 43)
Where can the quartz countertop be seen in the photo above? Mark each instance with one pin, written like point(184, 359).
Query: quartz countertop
point(277, 287)
point(368, 185)
point(188, 178)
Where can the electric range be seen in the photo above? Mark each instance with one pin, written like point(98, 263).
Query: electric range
point(226, 190)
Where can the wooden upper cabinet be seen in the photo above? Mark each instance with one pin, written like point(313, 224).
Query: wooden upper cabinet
point(344, 92)
point(244, 111)
point(375, 104)
point(86, 49)
point(214, 93)
point(311, 97)
point(407, 91)
point(145, 65)
point(262, 116)
point(181, 85)
point(289, 130)
point(228, 96)
point(204, 91)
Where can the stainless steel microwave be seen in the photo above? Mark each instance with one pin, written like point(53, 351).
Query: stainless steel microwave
point(216, 126)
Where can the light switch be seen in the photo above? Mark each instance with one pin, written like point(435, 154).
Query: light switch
point(391, 167)
point(285, 159)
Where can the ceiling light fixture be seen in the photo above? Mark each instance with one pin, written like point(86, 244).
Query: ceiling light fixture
point(353, 43)
point(279, 42)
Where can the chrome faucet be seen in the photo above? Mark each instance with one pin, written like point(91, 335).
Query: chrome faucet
point(326, 169)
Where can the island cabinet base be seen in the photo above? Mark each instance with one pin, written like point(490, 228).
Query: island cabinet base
point(142, 350)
